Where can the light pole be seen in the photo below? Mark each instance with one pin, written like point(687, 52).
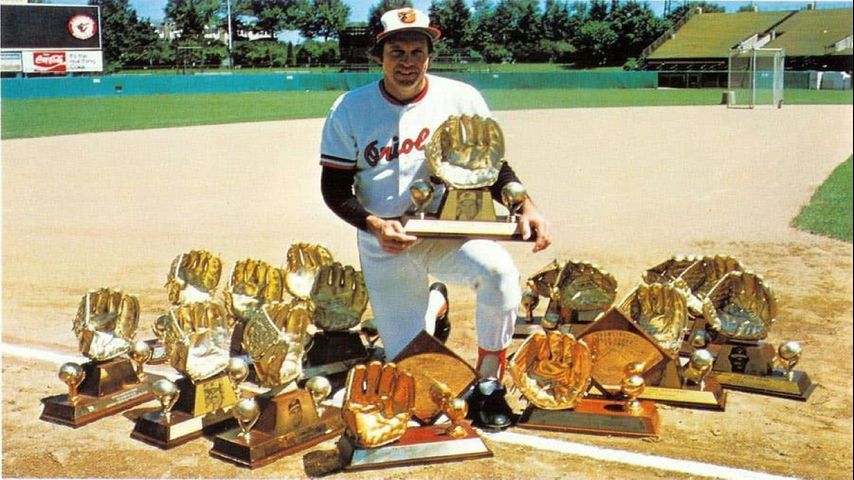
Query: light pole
point(228, 14)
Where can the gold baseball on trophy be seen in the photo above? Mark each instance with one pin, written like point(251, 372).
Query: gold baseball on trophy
point(140, 353)
point(700, 339)
point(319, 388)
point(632, 387)
point(456, 411)
point(246, 412)
point(530, 300)
point(421, 192)
point(166, 392)
point(237, 371)
point(72, 375)
point(790, 353)
point(512, 196)
point(698, 368)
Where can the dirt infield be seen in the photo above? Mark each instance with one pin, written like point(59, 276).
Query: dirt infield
point(623, 188)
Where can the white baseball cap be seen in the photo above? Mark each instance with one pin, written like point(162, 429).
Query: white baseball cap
point(403, 19)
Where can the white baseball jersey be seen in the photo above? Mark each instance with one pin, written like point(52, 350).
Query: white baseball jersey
point(384, 140)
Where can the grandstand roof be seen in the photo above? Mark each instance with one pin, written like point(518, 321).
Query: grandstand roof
point(711, 35)
point(813, 32)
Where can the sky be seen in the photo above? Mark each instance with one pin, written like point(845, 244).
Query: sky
point(153, 9)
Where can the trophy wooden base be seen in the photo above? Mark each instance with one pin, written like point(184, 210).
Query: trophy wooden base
point(334, 352)
point(800, 387)
point(151, 427)
point(501, 229)
point(418, 446)
point(202, 408)
point(265, 447)
point(598, 417)
point(88, 408)
point(712, 397)
point(523, 328)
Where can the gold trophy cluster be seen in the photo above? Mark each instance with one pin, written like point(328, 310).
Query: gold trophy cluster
point(262, 326)
point(693, 328)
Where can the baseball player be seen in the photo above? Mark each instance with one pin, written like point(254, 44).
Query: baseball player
point(372, 150)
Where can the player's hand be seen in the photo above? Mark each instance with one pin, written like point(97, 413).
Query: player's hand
point(106, 323)
point(533, 222)
point(552, 370)
point(741, 306)
point(391, 234)
point(378, 403)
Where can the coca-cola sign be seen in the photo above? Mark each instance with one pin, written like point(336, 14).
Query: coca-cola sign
point(49, 61)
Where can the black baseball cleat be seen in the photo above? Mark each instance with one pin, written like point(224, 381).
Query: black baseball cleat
point(488, 409)
point(442, 329)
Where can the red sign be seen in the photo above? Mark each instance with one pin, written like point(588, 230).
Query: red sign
point(49, 61)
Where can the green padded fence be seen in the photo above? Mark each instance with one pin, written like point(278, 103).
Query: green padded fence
point(20, 88)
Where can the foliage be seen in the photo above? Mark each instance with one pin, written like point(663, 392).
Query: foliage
point(259, 53)
point(128, 40)
point(269, 17)
point(312, 52)
point(595, 41)
point(325, 19)
point(708, 7)
point(193, 17)
point(453, 19)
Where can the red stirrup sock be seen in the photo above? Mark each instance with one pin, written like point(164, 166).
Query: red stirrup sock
point(491, 363)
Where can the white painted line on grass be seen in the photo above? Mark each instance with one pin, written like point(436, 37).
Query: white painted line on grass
point(555, 445)
point(630, 458)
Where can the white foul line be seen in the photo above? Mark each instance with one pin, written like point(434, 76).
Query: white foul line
point(555, 445)
point(630, 458)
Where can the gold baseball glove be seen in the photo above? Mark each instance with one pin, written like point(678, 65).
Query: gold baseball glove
point(466, 151)
point(106, 323)
point(741, 306)
point(668, 270)
point(661, 310)
point(552, 370)
point(252, 283)
point(695, 276)
point(340, 297)
point(275, 340)
point(378, 403)
point(584, 286)
point(304, 261)
point(197, 337)
point(193, 277)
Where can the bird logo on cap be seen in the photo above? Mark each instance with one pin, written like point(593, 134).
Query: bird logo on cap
point(406, 15)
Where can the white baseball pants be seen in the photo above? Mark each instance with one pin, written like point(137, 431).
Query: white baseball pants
point(398, 287)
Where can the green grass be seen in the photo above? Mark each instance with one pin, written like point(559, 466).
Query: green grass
point(65, 116)
point(830, 210)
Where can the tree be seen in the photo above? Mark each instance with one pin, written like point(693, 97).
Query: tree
point(453, 19)
point(636, 26)
point(595, 41)
point(556, 20)
point(325, 19)
point(708, 7)
point(127, 40)
point(378, 9)
point(193, 17)
point(273, 16)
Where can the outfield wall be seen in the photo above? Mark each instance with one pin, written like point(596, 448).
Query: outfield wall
point(45, 87)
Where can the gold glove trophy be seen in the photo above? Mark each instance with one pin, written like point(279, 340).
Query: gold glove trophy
point(391, 411)
point(661, 311)
point(196, 336)
point(113, 378)
point(578, 292)
point(694, 276)
point(465, 155)
point(339, 297)
point(252, 283)
point(739, 310)
point(553, 370)
point(283, 420)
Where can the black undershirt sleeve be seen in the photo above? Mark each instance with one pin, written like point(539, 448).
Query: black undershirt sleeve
point(505, 176)
point(336, 186)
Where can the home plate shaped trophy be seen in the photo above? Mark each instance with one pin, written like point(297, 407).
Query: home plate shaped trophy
point(196, 337)
point(391, 410)
point(285, 419)
point(113, 379)
point(739, 310)
point(553, 371)
point(465, 155)
point(578, 292)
